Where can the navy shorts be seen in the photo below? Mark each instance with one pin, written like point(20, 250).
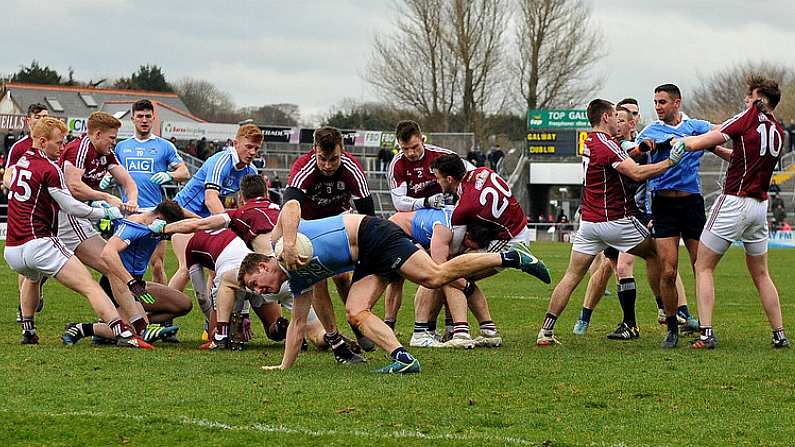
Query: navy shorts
point(383, 248)
point(678, 216)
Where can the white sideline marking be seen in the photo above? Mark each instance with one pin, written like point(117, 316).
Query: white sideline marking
point(266, 428)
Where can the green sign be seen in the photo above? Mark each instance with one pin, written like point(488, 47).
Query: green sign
point(557, 119)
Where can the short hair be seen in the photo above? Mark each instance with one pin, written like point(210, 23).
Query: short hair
point(36, 107)
point(596, 108)
point(45, 126)
point(252, 186)
point(450, 165)
point(407, 129)
point(327, 139)
point(627, 101)
point(102, 121)
point(670, 89)
point(250, 265)
point(170, 210)
point(620, 108)
point(250, 132)
point(142, 104)
point(481, 233)
point(766, 87)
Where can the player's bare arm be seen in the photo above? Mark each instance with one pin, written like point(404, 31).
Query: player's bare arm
point(81, 191)
point(180, 173)
point(110, 254)
point(296, 330)
point(127, 183)
point(187, 226)
point(212, 199)
point(638, 173)
point(289, 218)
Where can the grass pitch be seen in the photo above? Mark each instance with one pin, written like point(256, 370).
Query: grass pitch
point(589, 391)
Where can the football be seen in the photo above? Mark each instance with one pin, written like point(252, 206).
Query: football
point(302, 243)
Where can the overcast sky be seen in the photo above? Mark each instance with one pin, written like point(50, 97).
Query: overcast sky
point(313, 53)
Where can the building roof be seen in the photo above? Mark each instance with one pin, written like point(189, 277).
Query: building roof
point(82, 101)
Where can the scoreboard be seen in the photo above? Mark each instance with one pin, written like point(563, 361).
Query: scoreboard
point(555, 143)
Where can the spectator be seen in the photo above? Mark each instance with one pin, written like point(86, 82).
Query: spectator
point(174, 141)
point(202, 149)
point(779, 214)
point(785, 226)
point(776, 201)
point(10, 139)
point(276, 184)
point(191, 149)
point(774, 188)
point(791, 129)
point(496, 158)
point(384, 157)
point(476, 157)
point(275, 189)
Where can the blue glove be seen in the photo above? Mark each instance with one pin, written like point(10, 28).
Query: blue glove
point(160, 178)
point(113, 213)
point(158, 226)
point(106, 182)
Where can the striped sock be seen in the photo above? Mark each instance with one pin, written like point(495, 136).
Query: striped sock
point(549, 322)
point(778, 333)
point(119, 328)
point(706, 332)
point(334, 339)
point(28, 325)
point(488, 325)
point(139, 324)
point(420, 327)
point(432, 325)
point(390, 323)
point(221, 330)
point(461, 327)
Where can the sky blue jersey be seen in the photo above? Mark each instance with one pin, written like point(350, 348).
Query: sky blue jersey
point(219, 173)
point(684, 176)
point(331, 253)
point(141, 244)
point(425, 219)
point(142, 158)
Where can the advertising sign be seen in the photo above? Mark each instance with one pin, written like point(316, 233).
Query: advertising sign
point(557, 119)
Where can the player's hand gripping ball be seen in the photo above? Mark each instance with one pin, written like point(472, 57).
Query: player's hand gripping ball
point(292, 260)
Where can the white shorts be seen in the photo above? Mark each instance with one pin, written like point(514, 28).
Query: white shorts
point(499, 245)
point(38, 258)
point(74, 230)
point(733, 219)
point(621, 234)
point(229, 259)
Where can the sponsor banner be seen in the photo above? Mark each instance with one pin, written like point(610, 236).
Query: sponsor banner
point(187, 130)
point(12, 122)
point(274, 134)
point(557, 119)
point(372, 138)
point(77, 125)
point(388, 140)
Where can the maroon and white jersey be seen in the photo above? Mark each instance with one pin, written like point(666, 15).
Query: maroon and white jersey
point(485, 196)
point(81, 154)
point(757, 139)
point(414, 179)
point(255, 217)
point(205, 247)
point(328, 195)
point(606, 193)
point(20, 147)
point(32, 212)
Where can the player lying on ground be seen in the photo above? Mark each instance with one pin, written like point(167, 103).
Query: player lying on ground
point(127, 254)
point(740, 214)
point(37, 193)
point(376, 250)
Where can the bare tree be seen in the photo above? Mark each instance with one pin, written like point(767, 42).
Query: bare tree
point(476, 42)
point(558, 48)
point(720, 95)
point(206, 101)
point(413, 67)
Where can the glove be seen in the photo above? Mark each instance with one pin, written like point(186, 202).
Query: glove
point(677, 152)
point(106, 182)
point(647, 145)
point(278, 330)
point(245, 328)
point(158, 226)
point(160, 178)
point(138, 289)
point(113, 213)
point(434, 201)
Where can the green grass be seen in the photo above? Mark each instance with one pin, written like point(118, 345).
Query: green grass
point(589, 391)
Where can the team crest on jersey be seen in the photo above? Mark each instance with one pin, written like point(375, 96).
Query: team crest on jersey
point(341, 185)
point(103, 160)
point(763, 118)
point(153, 151)
point(480, 180)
